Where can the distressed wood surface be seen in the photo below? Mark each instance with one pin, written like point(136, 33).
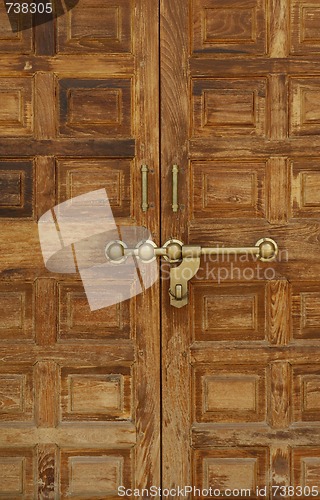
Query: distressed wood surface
point(176, 459)
point(240, 113)
point(279, 312)
point(79, 390)
point(147, 324)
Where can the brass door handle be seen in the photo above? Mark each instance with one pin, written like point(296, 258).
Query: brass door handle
point(144, 187)
point(175, 205)
point(174, 251)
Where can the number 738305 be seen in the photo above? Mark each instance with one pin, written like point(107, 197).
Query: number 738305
point(295, 491)
point(29, 8)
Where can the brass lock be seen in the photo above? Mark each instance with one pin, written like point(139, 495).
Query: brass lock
point(174, 251)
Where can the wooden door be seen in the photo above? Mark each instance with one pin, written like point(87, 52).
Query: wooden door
point(240, 88)
point(79, 390)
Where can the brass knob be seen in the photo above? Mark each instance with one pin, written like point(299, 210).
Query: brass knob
point(173, 250)
point(268, 249)
point(115, 251)
point(146, 251)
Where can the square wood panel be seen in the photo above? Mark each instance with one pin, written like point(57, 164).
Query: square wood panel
point(16, 394)
point(95, 474)
point(306, 466)
point(304, 102)
point(17, 473)
point(99, 27)
point(16, 187)
point(228, 311)
point(305, 174)
point(95, 107)
point(306, 393)
point(98, 393)
point(231, 468)
point(305, 27)
point(228, 189)
point(227, 27)
point(224, 106)
point(305, 310)
point(229, 394)
point(16, 312)
point(16, 111)
point(78, 323)
point(79, 176)
point(10, 41)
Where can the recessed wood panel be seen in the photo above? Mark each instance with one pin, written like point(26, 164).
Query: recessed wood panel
point(228, 189)
point(306, 466)
point(99, 27)
point(13, 42)
point(16, 112)
point(228, 107)
point(16, 393)
point(229, 394)
point(225, 28)
point(11, 393)
point(77, 322)
point(306, 311)
point(11, 471)
point(306, 187)
point(78, 176)
point(231, 468)
point(16, 312)
point(304, 106)
point(228, 312)
point(306, 393)
point(92, 474)
point(96, 393)
point(95, 107)
point(16, 178)
point(305, 27)
point(16, 473)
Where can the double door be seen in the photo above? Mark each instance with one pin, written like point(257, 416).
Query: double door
point(225, 391)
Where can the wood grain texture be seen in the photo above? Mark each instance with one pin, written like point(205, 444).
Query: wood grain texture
point(47, 472)
point(251, 144)
point(278, 114)
point(174, 25)
point(61, 375)
point(147, 327)
point(117, 435)
point(278, 190)
point(279, 28)
point(45, 184)
point(280, 395)
point(280, 458)
point(240, 117)
point(47, 391)
point(44, 37)
point(279, 312)
point(45, 106)
point(46, 315)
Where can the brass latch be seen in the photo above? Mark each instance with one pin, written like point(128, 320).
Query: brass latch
point(174, 251)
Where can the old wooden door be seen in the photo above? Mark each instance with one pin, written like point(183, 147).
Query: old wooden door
point(79, 391)
point(240, 90)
